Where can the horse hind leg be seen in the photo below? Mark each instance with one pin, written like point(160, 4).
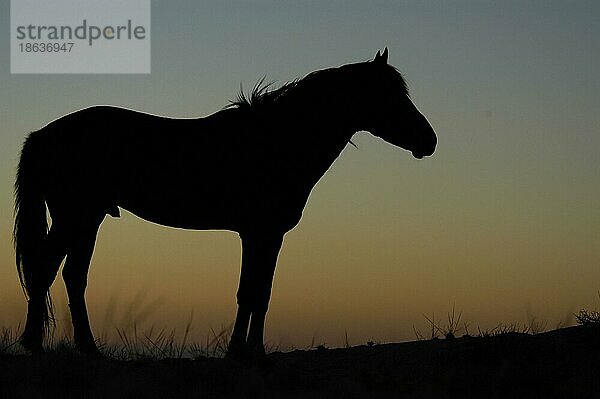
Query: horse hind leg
point(38, 312)
point(79, 255)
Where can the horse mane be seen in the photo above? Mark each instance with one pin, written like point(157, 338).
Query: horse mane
point(263, 93)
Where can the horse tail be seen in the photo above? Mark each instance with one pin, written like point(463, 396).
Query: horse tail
point(31, 226)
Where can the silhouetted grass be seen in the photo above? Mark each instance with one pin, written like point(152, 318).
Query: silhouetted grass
point(151, 343)
point(452, 327)
point(585, 317)
point(9, 340)
point(508, 360)
point(156, 344)
point(449, 330)
point(134, 344)
point(588, 317)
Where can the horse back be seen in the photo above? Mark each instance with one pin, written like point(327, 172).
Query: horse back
point(205, 173)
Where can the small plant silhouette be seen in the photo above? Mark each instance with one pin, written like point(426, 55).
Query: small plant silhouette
point(588, 317)
point(448, 331)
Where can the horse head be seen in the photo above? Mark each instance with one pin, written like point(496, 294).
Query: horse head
point(390, 114)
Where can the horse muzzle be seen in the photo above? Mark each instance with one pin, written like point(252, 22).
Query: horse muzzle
point(427, 139)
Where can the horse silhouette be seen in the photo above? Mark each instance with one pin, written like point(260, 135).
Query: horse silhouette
point(248, 168)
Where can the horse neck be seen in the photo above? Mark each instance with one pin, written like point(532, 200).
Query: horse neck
point(317, 141)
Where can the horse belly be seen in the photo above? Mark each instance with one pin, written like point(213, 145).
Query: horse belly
point(188, 211)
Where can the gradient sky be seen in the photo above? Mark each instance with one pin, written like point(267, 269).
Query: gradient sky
point(502, 221)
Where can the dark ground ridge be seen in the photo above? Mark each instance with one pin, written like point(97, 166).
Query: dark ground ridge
point(562, 363)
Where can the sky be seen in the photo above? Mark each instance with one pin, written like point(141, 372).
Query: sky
point(502, 222)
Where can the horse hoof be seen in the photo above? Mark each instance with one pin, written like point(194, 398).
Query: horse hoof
point(248, 355)
point(256, 357)
point(236, 353)
point(34, 346)
point(95, 353)
point(89, 350)
point(34, 349)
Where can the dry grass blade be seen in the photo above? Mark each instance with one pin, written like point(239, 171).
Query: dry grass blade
point(452, 328)
point(219, 341)
point(435, 329)
point(8, 339)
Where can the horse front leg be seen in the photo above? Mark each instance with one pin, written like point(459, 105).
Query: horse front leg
point(259, 258)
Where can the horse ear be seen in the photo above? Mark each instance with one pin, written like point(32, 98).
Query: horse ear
point(381, 58)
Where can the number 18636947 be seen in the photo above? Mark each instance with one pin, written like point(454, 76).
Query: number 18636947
point(46, 47)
